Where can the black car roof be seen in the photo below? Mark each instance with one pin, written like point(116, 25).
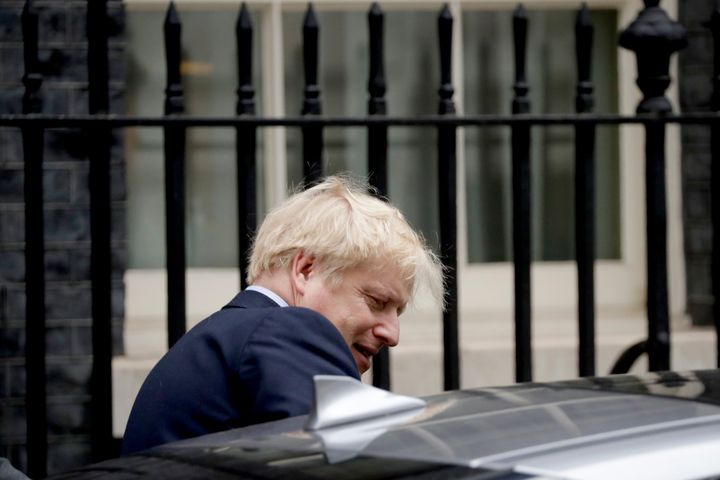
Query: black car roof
point(668, 423)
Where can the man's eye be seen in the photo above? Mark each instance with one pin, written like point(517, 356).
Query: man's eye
point(375, 303)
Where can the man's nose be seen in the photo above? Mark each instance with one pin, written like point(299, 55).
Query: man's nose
point(388, 329)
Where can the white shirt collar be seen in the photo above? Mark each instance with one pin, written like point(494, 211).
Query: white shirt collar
point(268, 293)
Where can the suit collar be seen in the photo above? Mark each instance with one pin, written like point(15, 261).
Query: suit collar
point(251, 299)
point(269, 293)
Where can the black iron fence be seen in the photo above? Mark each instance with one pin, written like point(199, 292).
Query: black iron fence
point(652, 36)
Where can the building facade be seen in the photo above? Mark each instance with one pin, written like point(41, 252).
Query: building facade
point(482, 72)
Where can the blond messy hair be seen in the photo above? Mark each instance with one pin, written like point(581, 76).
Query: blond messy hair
point(343, 226)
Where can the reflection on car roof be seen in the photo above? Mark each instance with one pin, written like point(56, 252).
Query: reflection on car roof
point(653, 426)
point(556, 429)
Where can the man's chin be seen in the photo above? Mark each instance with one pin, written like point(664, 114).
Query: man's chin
point(362, 362)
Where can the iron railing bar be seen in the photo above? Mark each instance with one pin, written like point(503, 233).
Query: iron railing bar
point(714, 25)
point(656, 238)
point(120, 121)
point(585, 197)
point(377, 104)
point(628, 357)
point(447, 195)
point(312, 135)
point(585, 215)
point(521, 218)
point(245, 143)
point(35, 312)
point(377, 151)
point(654, 25)
point(99, 142)
point(715, 208)
point(174, 153)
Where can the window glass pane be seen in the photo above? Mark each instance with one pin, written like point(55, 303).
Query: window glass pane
point(342, 78)
point(551, 72)
point(209, 70)
point(412, 79)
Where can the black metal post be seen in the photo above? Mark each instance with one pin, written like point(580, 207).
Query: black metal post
point(377, 149)
point(35, 315)
point(585, 197)
point(174, 148)
point(245, 143)
point(656, 231)
point(99, 142)
point(714, 25)
point(377, 105)
point(312, 135)
point(447, 192)
point(522, 239)
point(654, 37)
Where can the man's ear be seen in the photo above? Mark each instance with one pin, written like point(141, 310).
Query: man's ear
point(302, 267)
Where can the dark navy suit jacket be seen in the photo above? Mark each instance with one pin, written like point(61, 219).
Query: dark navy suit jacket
point(251, 362)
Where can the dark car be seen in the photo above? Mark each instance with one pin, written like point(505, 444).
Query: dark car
point(657, 426)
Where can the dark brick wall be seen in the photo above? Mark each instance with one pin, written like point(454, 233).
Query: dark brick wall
point(63, 53)
point(695, 63)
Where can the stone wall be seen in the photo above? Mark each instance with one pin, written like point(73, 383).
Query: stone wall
point(695, 64)
point(63, 54)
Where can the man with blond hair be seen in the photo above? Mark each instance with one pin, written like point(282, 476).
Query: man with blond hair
point(331, 270)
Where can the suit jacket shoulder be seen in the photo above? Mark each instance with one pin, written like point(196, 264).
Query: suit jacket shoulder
point(250, 362)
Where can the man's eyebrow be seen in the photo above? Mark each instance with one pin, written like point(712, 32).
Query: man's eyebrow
point(382, 292)
point(372, 287)
point(387, 295)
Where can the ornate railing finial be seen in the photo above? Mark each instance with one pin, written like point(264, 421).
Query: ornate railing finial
point(311, 101)
point(174, 100)
point(521, 102)
point(244, 38)
point(32, 99)
point(654, 37)
point(714, 25)
point(446, 90)
point(376, 79)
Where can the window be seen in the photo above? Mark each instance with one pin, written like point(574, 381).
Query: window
point(209, 83)
point(488, 75)
point(482, 76)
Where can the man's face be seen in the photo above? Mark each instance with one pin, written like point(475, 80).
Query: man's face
point(364, 306)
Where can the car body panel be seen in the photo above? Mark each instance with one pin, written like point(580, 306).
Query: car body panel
point(655, 426)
